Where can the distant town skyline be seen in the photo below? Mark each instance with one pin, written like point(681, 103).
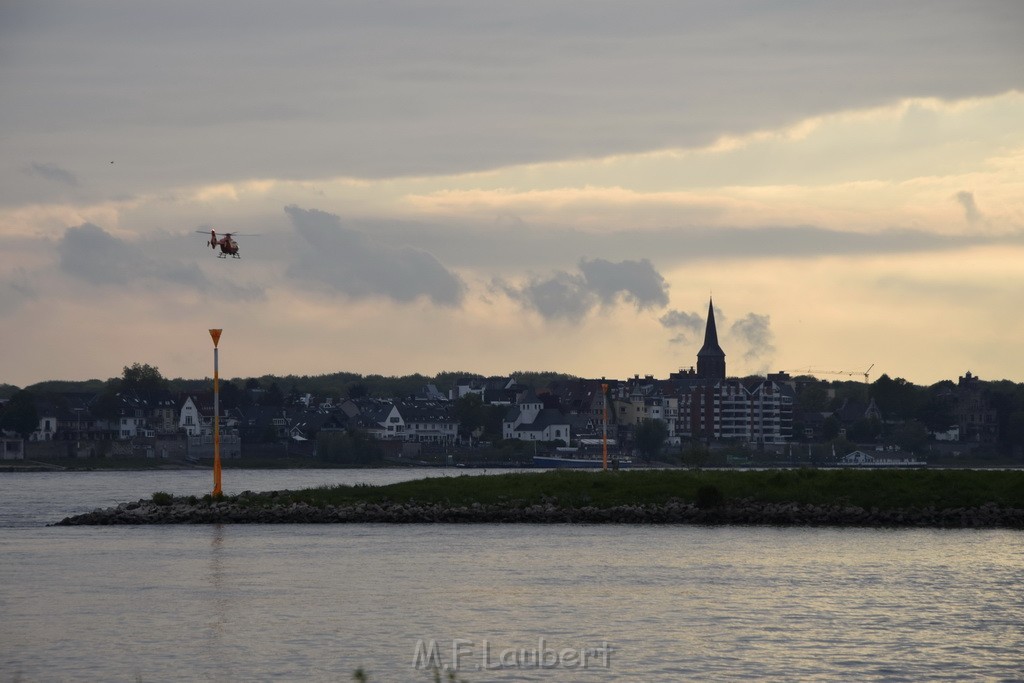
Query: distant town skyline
point(482, 188)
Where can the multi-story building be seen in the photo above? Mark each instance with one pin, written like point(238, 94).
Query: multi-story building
point(712, 407)
point(976, 418)
point(641, 399)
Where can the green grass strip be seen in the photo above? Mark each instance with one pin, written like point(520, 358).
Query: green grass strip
point(882, 489)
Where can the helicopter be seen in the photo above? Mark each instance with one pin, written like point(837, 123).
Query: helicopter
point(228, 246)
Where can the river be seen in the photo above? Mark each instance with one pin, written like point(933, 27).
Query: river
point(502, 602)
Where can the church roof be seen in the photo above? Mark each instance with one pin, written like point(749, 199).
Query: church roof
point(711, 347)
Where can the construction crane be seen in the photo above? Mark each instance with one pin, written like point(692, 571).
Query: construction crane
point(849, 373)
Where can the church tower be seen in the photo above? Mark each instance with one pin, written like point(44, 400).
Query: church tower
point(711, 357)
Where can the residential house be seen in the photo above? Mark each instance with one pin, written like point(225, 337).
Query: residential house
point(191, 419)
point(163, 413)
point(430, 392)
point(307, 425)
point(427, 421)
point(132, 417)
point(639, 400)
point(76, 421)
point(529, 420)
point(47, 429)
point(857, 458)
point(387, 419)
point(492, 390)
point(12, 447)
point(417, 420)
point(261, 424)
point(586, 398)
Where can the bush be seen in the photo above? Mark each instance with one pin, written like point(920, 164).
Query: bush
point(709, 496)
point(163, 498)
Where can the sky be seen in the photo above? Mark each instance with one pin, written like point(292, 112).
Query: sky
point(485, 187)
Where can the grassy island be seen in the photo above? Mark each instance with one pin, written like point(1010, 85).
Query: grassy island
point(884, 489)
point(941, 498)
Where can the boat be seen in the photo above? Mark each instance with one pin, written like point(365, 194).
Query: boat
point(567, 461)
point(583, 457)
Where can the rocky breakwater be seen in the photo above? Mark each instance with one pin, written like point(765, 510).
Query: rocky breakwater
point(262, 509)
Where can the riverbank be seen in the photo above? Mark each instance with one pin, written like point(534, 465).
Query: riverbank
point(151, 464)
point(920, 498)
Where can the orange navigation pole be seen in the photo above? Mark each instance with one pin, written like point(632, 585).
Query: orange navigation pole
point(604, 429)
point(217, 493)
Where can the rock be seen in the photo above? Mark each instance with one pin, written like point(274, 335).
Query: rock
point(546, 512)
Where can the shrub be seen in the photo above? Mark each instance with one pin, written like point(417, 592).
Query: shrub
point(709, 496)
point(163, 498)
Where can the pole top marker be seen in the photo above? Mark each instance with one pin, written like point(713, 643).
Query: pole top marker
point(215, 335)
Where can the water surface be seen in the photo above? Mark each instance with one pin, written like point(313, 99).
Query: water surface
point(313, 603)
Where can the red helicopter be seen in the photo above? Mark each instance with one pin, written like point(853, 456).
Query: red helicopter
point(228, 246)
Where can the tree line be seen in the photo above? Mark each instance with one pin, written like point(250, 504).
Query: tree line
point(910, 413)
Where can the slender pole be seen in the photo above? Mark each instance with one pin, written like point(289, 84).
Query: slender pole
point(215, 335)
point(604, 429)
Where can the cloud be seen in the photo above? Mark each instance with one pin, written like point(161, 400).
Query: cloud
point(571, 296)
point(686, 325)
point(546, 246)
point(54, 173)
point(753, 331)
point(971, 212)
point(353, 263)
point(637, 282)
point(15, 291)
point(91, 254)
point(561, 296)
point(418, 92)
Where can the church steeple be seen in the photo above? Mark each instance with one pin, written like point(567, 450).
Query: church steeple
point(711, 357)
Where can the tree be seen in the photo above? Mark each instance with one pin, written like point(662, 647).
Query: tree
point(469, 411)
point(910, 435)
point(848, 391)
point(1013, 434)
point(20, 415)
point(352, 446)
point(358, 390)
point(231, 396)
point(650, 438)
point(106, 405)
point(695, 454)
point(273, 396)
point(269, 434)
point(143, 379)
point(830, 428)
point(864, 430)
point(813, 398)
point(1006, 399)
point(896, 398)
point(840, 446)
point(936, 409)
